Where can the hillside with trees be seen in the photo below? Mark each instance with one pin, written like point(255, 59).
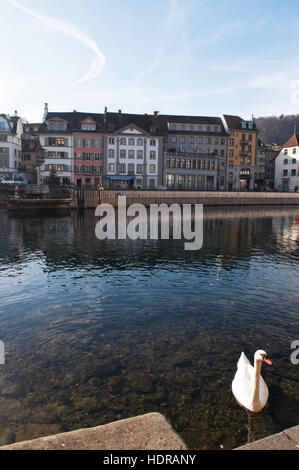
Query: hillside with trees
point(277, 130)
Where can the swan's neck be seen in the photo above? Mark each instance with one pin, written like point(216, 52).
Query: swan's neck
point(256, 385)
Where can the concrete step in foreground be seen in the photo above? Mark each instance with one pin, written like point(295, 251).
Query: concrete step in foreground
point(148, 432)
point(285, 440)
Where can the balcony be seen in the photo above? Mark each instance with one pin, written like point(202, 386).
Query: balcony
point(190, 155)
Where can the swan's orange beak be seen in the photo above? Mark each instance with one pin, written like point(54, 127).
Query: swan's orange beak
point(266, 359)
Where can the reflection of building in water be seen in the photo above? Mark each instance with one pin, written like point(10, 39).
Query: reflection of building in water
point(286, 231)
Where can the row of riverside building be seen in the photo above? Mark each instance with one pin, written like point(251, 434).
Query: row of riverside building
point(116, 150)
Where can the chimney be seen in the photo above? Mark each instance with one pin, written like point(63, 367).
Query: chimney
point(156, 113)
point(45, 112)
point(119, 111)
point(16, 113)
point(105, 115)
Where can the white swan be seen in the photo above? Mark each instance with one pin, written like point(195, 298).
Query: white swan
point(248, 386)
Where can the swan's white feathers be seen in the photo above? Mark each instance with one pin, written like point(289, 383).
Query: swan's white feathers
point(243, 385)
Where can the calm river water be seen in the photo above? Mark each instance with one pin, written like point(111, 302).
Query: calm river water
point(100, 331)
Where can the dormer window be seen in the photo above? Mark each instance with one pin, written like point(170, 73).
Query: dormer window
point(88, 125)
point(57, 125)
point(243, 125)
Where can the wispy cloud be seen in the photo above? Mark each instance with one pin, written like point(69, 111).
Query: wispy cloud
point(69, 29)
point(173, 25)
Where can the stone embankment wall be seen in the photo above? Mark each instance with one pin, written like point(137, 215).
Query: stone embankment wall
point(207, 198)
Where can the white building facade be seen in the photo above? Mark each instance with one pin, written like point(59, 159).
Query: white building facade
point(132, 152)
point(11, 130)
point(57, 143)
point(287, 166)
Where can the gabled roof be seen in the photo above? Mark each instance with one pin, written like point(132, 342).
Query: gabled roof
point(292, 142)
point(149, 123)
point(74, 120)
point(235, 123)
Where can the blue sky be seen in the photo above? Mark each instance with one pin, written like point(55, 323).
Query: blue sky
point(194, 57)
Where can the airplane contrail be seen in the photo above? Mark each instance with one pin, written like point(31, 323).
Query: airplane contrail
point(98, 62)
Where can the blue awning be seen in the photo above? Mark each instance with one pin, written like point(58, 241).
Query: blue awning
point(121, 178)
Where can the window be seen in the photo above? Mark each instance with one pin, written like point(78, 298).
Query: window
point(285, 172)
point(285, 151)
point(216, 128)
point(231, 164)
point(123, 154)
point(294, 161)
point(179, 163)
point(131, 154)
point(122, 168)
point(286, 161)
point(111, 140)
point(231, 153)
point(208, 128)
point(139, 169)
point(97, 156)
point(191, 140)
point(51, 142)
point(199, 140)
point(182, 127)
point(60, 168)
point(209, 140)
point(294, 173)
point(140, 154)
point(250, 137)
point(97, 169)
point(153, 155)
point(152, 168)
point(111, 153)
point(131, 168)
point(173, 127)
point(131, 141)
point(173, 163)
point(153, 143)
point(61, 155)
point(188, 164)
point(200, 128)
point(168, 163)
point(27, 157)
point(200, 181)
point(170, 180)
point(182, 140)
point(152, 183)
point(173, 139)
point(184, 163)
point(232, 142)
point(3, 138)
point(249, 148)
point(139, 141)
point(52, 167)
point(88, 127)
point(294, 150)
point(123, 141)
point(61, 142)
point(111, 167)
point(88, 169)
point(51, 155)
